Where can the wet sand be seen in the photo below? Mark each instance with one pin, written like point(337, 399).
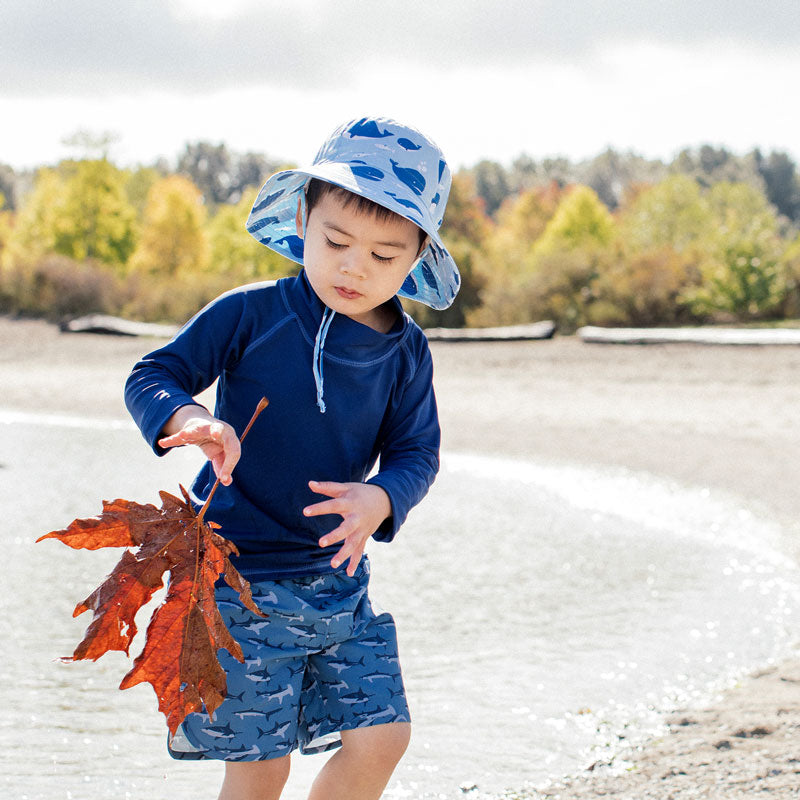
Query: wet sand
point(718, 417)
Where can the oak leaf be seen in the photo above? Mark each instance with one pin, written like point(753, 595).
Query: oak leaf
point(179, 658)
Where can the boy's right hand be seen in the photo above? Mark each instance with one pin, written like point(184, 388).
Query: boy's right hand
point(218, 440)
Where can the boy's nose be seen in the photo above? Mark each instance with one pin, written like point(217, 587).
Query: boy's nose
point(353, 265)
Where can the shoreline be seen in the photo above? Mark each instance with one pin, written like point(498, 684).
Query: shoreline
point(713, 417)
point(741, 744)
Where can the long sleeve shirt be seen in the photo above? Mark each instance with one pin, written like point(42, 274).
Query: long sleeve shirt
point(259, 341)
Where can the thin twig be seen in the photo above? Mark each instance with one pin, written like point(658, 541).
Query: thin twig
point(262, 404)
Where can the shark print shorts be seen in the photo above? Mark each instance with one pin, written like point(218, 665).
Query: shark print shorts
point(323, 661)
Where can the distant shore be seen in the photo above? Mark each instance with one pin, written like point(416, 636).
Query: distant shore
point(725, 418)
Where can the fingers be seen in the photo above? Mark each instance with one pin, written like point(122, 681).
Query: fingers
point(353, 539)
point(195, 432)
point(329, 488)
point(216, 439)
point(352, 548)
point(339, 534)
point(231, 451)
point(325, 507)
point(175, 440)
point(346, 553)
point(363, 507)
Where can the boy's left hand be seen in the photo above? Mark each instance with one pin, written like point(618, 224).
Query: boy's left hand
point(362, 506)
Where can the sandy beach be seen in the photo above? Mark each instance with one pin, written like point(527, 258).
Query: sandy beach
point(717, 417)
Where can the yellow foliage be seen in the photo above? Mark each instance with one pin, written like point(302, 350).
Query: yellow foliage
point(581, 221)
point(96, 221)
point(520, 222)
point(741, 275)
point(672, 213)
point(790, 269)
point(525, 216)
point(6, 228)
point(644, 288)
point(38, 219)
point(173, 240)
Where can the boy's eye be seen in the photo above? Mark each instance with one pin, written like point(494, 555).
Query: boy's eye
point(383, 259)
point(334, 245)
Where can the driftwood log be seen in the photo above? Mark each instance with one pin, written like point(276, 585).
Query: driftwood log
point(509, 333)
point(116, 326)
point(698, 335)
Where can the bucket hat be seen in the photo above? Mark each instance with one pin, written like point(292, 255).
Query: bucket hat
point(391, 164)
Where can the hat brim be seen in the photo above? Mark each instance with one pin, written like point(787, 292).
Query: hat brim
point(434, 280)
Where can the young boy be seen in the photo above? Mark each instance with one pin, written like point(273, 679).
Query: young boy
point(348, 376)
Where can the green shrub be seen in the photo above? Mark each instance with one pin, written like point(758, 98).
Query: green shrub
point(644, 288)
point(559, 289)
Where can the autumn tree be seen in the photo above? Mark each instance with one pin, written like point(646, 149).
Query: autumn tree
point(35, 277)
point(660, 249)
point(171, 275)
point(80, 211)
point(173, 239)
point(95, 220)
point(581, 222)
point(138, 186)
point(569, 256)
point(523, 218)
point(38, 218)
point(673, 213)
point(790, 270)
point(552, 274)
point(6, 226)
point(508, 250)
point(741, 272)
point(643, 287)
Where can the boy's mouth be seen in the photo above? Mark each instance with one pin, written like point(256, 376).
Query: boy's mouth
point(348, 294)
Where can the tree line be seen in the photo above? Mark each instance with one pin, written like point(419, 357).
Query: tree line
point(613, 240)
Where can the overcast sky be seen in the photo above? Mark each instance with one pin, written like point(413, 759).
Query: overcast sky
point(484, 79)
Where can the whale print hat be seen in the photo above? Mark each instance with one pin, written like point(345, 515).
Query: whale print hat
point(393, 165)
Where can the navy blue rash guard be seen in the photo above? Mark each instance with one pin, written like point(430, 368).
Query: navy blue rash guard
point(259, 341)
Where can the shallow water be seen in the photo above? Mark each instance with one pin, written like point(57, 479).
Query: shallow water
point(542, 611)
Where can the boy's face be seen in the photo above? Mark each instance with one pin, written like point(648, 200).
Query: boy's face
point(354, 261)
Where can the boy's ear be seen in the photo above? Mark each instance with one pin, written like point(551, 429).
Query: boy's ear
point(299, 222)
point(425, 242)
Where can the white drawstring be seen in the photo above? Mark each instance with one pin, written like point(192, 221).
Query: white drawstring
point(319, 346)
point(325, 323)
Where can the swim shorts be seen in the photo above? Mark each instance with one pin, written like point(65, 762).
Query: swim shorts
point(323, 661)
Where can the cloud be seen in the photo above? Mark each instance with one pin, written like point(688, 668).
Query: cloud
point(96, 47)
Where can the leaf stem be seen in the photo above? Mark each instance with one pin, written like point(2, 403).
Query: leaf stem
point(262, 404)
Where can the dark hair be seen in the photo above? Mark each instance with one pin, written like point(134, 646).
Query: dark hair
point(317, 189)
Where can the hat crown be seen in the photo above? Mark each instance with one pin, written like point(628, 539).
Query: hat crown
point(377, 147)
